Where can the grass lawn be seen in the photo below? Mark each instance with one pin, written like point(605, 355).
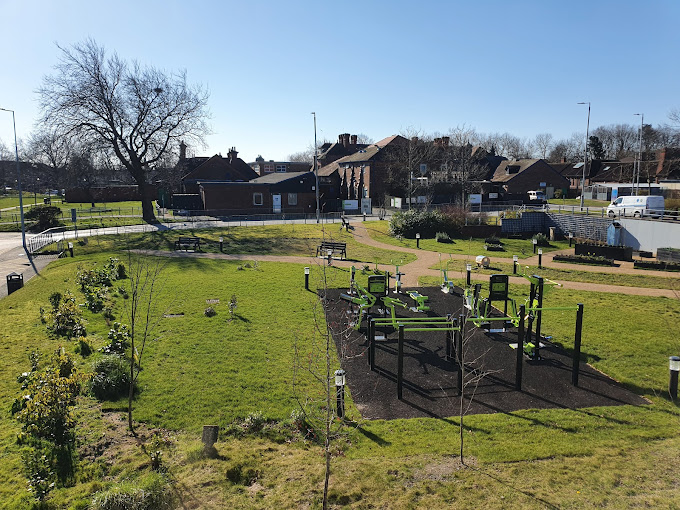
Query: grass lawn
point(523, 248)
point(290, 239)
point(626, 280)
point(204, 370)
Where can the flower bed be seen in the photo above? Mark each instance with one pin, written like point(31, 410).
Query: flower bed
point(585, 259)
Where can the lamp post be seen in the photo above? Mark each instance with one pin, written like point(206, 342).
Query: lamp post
point(636, 182)
point(340, 389)
point(585, 156)
point(316, 171)
point(674, 368)
point(21, 201)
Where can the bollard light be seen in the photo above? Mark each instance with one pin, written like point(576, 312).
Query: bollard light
point(515, 258)
point(674, 368)
point(340, 386)
point(70, 249)
point(468, 268)
point(329, 254)
point(221, 242)
point(540, 256)
point(306, 278)
point(417, 240)
point(571, 237)
point(534, 241)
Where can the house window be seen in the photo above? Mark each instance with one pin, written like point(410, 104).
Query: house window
point(257, 199)
point(280, 168)
point(256, 168)
point(292, 198)
point(268, 168)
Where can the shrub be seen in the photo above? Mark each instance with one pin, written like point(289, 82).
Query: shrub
point(493, 240)
point(541, 240)
point(210, 312)
point(150, 492)
point(443, 237)
point(65, 319)
point(426, 223)
point(45, 216)
point(585, 259)
point(119, 337)
point(111, 378)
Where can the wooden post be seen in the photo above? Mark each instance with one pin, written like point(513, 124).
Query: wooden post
point(400, 362)
point(577, 345)
point(371, 344)
point(459, 352)
point(519, 359)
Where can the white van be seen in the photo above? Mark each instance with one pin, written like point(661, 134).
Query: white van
point(639, 206)
point(537, 196)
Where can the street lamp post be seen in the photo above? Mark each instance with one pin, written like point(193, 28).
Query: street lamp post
point(585, 156)
point(21, 201)
point(636, 183)
point(316, 171)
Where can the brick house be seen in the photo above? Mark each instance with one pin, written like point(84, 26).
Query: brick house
point(214, 169)
point(277, 193)
point(520, 176)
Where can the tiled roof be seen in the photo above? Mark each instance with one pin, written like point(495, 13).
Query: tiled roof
point(275, 178)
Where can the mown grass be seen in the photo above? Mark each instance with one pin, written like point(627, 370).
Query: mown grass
point(211, 370)
point(572, 275)
point(290, 239)
point(472, 247)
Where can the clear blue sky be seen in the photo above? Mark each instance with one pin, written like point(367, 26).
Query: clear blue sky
point(368, 67)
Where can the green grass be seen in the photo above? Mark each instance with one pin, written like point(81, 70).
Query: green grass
point(291, 239)
point(523, 248)
point(577, 202)
point(571, 275)
point(210, 371)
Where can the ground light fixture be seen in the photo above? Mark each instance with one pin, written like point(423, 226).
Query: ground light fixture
point(340, 388)
point(468, 268)
point(417, 240)
point(221, 242)
point(306, 278)
point(540, 257)
point(515, 258)
point(534, 241)
point(673, 368)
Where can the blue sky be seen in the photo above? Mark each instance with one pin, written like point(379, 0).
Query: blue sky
point(370, 67)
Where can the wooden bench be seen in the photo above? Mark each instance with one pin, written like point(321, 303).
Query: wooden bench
point(325, 246)
point(188, 242)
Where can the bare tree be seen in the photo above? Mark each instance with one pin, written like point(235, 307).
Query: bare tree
point(142, 312)
point(137, 113)
point(543, 144)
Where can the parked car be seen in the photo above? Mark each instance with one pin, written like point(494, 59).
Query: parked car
point(537, 196)
point(637, 206)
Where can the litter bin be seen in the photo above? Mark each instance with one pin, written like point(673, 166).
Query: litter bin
point(14, 282)
point(47, 201)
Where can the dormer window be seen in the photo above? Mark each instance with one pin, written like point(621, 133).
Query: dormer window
point(512, 169)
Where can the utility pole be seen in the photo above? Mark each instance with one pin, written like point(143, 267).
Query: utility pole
point(21, 200)
point(636, 182)
point(316, 171)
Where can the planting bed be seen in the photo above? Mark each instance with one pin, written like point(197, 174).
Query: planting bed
point(430, 381)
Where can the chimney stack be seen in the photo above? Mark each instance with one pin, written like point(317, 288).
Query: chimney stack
point(182, 151)
point(232, 155)
point(353, 140)
point(445, 141)
point(345, 140)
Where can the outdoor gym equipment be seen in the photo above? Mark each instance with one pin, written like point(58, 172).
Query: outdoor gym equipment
point(447, 285)
point(365, 298)
point(397, 280)
point(449, 325)
point(420, 301)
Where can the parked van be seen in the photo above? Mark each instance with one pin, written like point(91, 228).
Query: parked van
point(639, 206)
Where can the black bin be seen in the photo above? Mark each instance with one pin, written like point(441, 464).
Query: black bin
point(14, 282)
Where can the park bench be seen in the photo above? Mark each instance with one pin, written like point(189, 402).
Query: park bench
point(326, 246)
point(188, 242)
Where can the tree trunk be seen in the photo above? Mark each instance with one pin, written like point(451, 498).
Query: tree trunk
point(148, 213)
